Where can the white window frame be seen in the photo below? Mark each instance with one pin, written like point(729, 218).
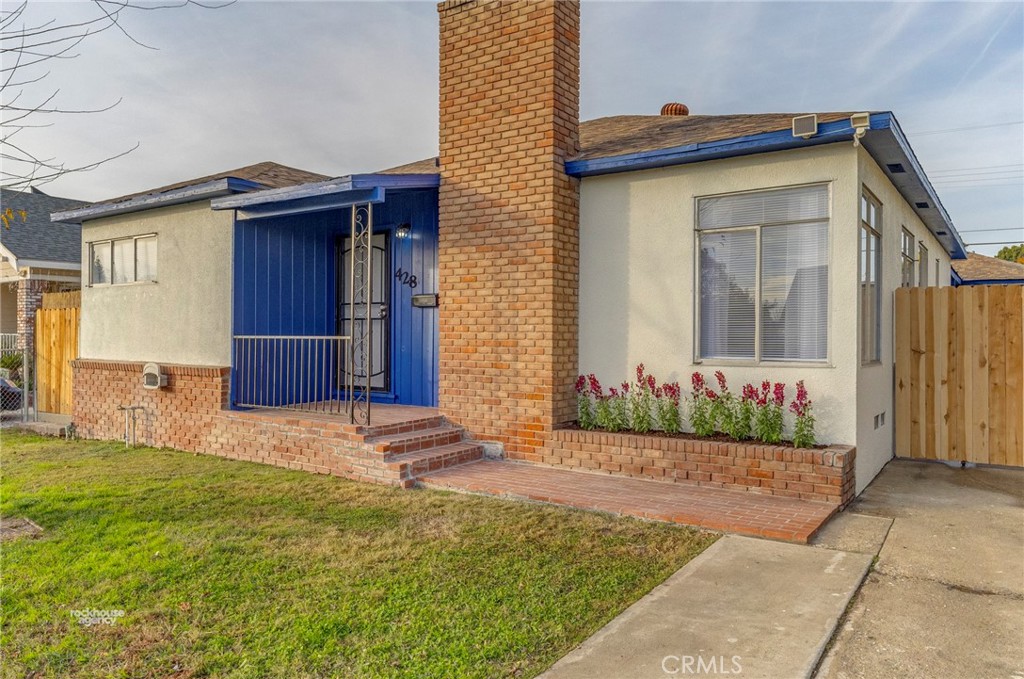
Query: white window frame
point(135, 253)
point(874, 231)
point(907, 245)
point(757, 360)
point(922, 269)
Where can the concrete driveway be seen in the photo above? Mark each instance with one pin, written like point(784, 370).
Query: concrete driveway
point(946, 596)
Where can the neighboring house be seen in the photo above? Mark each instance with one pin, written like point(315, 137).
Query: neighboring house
point(37, 255)
point(984, 270)
point(532, 249)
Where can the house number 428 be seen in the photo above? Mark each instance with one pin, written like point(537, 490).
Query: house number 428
point(406, 278)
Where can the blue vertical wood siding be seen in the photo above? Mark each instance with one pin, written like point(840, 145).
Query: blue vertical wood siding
point(285, 283)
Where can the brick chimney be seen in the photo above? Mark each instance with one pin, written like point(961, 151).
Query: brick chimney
point(509, 218)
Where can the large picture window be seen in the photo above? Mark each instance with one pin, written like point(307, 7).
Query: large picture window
point(124, 260)
point(870, 279)
point(763, 275)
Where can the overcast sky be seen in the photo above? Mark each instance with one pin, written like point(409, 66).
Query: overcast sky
point(339, 87)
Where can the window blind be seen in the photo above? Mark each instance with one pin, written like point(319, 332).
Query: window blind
point(794, 292)
point(728, 269)
point(763, 208)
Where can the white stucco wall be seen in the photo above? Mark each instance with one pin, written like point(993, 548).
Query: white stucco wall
point(182, 318)
point(875, 382)
point(637, 254)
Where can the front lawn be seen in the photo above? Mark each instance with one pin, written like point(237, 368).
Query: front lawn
point(231, 569)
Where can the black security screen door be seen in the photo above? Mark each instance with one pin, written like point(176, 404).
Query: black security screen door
point(352, 314)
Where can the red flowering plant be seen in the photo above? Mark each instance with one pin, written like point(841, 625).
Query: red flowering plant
point(641, 398)
point(702, 400)
point(667, 398)
point(803, 431)
point(587, 387)
point(768, 415)
point(743, 419)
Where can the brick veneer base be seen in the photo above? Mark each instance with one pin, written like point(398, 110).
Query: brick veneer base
point(191, 413)
point(823, 475)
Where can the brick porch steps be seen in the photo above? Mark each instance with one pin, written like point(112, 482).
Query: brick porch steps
point(420, 439)
point(410, 466)
point(732, 511)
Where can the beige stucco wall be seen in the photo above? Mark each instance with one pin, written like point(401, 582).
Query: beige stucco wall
point(8, 308)
point(637, 280)
point(184, 317)
point(875, 382)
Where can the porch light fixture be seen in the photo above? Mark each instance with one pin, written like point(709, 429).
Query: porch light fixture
point(403, 231)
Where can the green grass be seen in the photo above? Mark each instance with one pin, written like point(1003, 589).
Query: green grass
point(230, 569)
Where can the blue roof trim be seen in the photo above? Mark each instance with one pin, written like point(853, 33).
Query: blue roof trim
point(838, 130)
point(994, 281)
point(318, 203)
point(954, 277)
point(186, 194)
point(329, 187)
point(890, 123)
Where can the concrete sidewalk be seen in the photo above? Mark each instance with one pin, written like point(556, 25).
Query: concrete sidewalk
point(747, 607)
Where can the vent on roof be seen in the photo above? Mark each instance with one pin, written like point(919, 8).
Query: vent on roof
point(922, 205)
point(896, 168)
point(805, 126)
point(675, 109)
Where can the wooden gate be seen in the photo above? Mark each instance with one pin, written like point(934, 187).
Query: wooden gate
point(56, 347)
point(960, 374)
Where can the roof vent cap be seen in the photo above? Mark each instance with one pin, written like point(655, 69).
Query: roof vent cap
point(675, 109)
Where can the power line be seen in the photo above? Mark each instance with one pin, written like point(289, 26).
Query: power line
point(1019, 230)
point(963, 129)
point(1002, 242)
point(977, 167)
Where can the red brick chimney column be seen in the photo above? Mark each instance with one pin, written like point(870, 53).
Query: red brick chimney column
point(509, 218)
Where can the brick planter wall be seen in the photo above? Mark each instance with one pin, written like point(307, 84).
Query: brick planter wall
point(822, 475)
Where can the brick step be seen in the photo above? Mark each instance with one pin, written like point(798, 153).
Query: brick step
point(411, 465)
point(364, 432)
point(398, 444)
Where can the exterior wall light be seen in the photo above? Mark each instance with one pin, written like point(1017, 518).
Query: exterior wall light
point(403, 231)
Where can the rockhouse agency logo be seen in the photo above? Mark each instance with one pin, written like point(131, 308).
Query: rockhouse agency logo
point(697, 665)
point(91, 616)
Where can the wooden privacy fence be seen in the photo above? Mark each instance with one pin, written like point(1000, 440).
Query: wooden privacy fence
point(56, 346)
point(960, 374)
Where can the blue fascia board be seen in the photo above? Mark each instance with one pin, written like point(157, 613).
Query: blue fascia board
point(765, 142)
point(307, 204)
point(328, 187)
point(959, 250)
point(187, 194)
point(954, 278)
point(993, 282)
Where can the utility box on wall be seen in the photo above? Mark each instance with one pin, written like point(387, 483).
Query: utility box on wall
point(153, 377)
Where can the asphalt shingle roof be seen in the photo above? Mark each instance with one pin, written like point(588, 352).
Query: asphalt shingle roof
point(270, 174)
point(621, 135)
point(983, 268)
point(37, 237)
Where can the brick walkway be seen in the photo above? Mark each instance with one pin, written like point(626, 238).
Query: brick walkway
point(730, 511)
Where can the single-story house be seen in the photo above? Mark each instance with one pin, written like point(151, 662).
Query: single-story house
point(37, 255)
point(984, 270)
point(534, 248)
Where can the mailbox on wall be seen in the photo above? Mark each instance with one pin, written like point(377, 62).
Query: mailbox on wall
point(424, 301)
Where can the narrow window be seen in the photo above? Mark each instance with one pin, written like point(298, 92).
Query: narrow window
point(907, 259)
point(100, 267)
point(870, 279)
point(922, 268)
point(145, 258)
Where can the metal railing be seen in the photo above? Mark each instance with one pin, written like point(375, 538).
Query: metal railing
point(294, 372)
point(8, 341)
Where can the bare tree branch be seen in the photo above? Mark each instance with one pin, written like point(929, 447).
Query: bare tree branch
point(25, 46)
